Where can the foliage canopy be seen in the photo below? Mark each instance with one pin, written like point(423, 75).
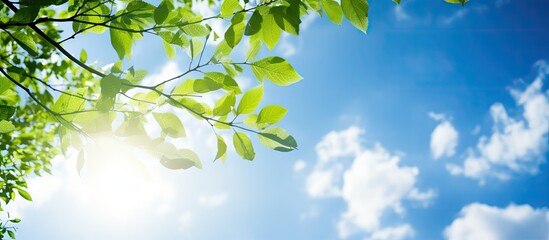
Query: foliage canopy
point(52, 101)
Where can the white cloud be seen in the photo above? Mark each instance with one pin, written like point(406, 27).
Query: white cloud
point(214, 200)
point(480, 221)
point(444, 137)
point(299, 165)
point(393, 233)
point(516, 145)
point(373, 185)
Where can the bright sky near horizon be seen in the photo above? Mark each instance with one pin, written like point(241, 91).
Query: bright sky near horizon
point(434, 125)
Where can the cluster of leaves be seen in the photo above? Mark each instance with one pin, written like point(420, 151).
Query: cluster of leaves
point(52, 101)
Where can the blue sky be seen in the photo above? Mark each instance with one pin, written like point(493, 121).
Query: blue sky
point(432, 126)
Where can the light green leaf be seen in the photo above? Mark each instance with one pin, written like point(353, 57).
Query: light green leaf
point(206, 85)
point(462, 2)
point(24, 194)
point(173, 158)
point(68, 103)
point(170, 124)
point(170, 50)
point(356, 11)
point(83, 56)
point(253, 50)
point(221, 149)
point(243, 146)
point(26, 42)
point(228, 7)
point(196, 47)
point(121, 41)
point(333, 10)
point(275, 69)
point(110, 85)
point(278, 139)
point(270, 31)
point(224, 104)
point(196, 30)
point(6, 126)
point(234, 33)
point(270, 115)
point(251, 121)
point(250, 100)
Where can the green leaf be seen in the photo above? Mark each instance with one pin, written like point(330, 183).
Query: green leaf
point(221, 149)
point(80, 161)
point(278, 139)
point(162, 11)
point(228, 7)
point(26, 14)
point(83, 56)
point(11, 233)
point(15, 220)
point(206, 85)
point(253, 50)
point(287, 17)
point(6, 112)
point(250, 100)
point(254, 24)
point(356, 11)
point(333, 10)
point(270, 115)
point(186, 159)
point(462, 2)
point(110, 85)
point(224, 104)
point(196, 47)
point(170, 50)
point(174, 158)
point(234, 33)
point(26, 42)
point(24, 194)
point(396, 1)
point(270, 31)
point(196, 30)
point(68, 104)
point(170, 124)
point(251, 121)
point(121, 41)
point(275, 69)
point(6, 126)
point(243, 146)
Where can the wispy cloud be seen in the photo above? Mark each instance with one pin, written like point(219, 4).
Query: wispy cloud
point(517, 144)
point(480, 221)
point(374, 184)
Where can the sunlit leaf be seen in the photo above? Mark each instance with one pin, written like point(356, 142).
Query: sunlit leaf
point(356, 11)
point(221, 149)
point(275, 69)
point(243, 146)
point(278, 139)
point(170, 124)
point(250, 100)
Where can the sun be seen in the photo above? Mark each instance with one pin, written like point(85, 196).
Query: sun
point(114, 179)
